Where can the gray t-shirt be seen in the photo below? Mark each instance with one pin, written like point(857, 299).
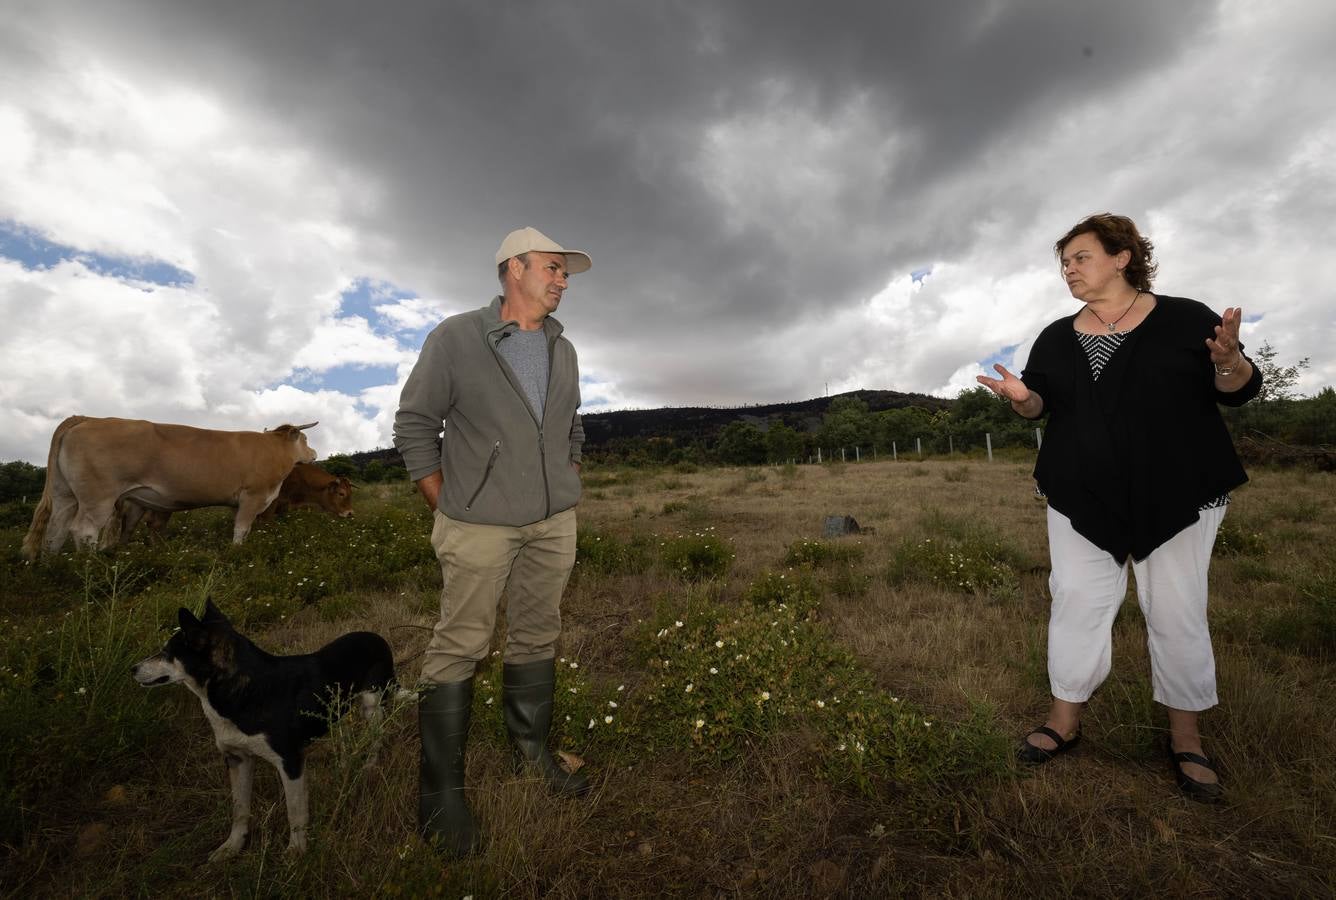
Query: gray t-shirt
point(526, 354)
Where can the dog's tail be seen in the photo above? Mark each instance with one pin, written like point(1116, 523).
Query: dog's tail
point(32, 541)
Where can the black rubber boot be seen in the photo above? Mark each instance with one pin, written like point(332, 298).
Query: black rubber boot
point(527, 696)
point(444, 818)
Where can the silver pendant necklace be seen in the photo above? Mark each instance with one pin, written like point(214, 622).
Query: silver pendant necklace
point(1113, 326)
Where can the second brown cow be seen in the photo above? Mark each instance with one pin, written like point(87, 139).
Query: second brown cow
point(309, 485)
point(306, 485)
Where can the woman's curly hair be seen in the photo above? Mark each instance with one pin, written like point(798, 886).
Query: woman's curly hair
point(1116, 234)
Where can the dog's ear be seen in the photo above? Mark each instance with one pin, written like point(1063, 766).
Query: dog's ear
point(212, 614)
point(192, 629)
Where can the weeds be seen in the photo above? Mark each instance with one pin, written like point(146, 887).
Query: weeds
point(698, 556)
point(1236, 539)
point(816, 554)
point(604, 554)
point(966, 567)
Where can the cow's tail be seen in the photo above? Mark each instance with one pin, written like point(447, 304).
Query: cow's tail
point(32, 542)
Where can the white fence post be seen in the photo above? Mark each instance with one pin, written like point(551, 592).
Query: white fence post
point(918, 442)
point(1038, 439)
point(895, 456)
point(988, 439)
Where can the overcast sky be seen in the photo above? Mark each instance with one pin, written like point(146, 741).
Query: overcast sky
point(238, 214)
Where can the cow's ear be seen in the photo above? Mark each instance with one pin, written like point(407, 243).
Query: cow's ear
point(212, 614)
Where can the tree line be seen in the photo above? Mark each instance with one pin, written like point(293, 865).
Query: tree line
point(959, 425)
point(962, 425)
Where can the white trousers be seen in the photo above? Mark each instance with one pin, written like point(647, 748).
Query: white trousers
point(1088, 586)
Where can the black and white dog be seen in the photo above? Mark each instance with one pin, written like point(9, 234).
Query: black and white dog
point(267, 706)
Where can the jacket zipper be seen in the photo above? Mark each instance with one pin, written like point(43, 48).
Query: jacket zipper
point(491, 461)
point(542, 464)
point(542, 455)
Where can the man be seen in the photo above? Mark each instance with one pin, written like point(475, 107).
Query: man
point(503, 478)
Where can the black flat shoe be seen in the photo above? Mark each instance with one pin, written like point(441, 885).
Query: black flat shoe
point(1031, 755)
point(1201, 791)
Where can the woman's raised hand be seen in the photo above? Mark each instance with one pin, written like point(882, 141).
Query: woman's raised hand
point(1008, 385)
point(1224, 346)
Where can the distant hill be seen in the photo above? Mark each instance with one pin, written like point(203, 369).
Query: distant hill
point(685, 424)
point(688, 423)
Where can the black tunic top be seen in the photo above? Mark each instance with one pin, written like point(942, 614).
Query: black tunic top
point(1130, 457)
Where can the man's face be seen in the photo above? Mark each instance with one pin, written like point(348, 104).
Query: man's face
point(542, 280)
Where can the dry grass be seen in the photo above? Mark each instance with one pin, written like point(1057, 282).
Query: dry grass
point(1105, 821)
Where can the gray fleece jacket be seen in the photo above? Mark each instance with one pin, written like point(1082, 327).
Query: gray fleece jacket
point(501, 466)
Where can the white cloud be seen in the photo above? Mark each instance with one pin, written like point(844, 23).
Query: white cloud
point(348, 341)
point(413, 313)
point(756, 191)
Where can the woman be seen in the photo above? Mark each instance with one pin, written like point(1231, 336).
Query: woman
point(1137, 466)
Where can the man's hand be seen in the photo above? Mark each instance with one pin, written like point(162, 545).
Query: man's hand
point(429, 486)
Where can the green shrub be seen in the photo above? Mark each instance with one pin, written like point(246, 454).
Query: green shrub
point(776, 588)
point(1237, 539)
point(815, 554)
point(604, 554)
point(848, 582)
point(968, 566)
point(697, 556)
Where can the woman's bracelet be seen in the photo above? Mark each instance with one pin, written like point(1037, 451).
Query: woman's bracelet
point(1228, 370)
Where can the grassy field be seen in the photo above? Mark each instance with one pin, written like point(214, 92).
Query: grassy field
point(763, 712)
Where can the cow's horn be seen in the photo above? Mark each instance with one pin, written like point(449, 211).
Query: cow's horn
point(306, 426)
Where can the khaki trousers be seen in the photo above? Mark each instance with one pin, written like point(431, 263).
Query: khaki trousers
point(531, 564)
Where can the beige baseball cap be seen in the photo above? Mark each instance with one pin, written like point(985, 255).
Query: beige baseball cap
point(522, 240)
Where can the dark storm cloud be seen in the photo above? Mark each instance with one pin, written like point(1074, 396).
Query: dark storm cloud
point(587, 116)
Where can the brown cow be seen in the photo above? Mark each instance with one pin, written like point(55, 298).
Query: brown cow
point(130, 515)
point(94, 463)
point(309, 485)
